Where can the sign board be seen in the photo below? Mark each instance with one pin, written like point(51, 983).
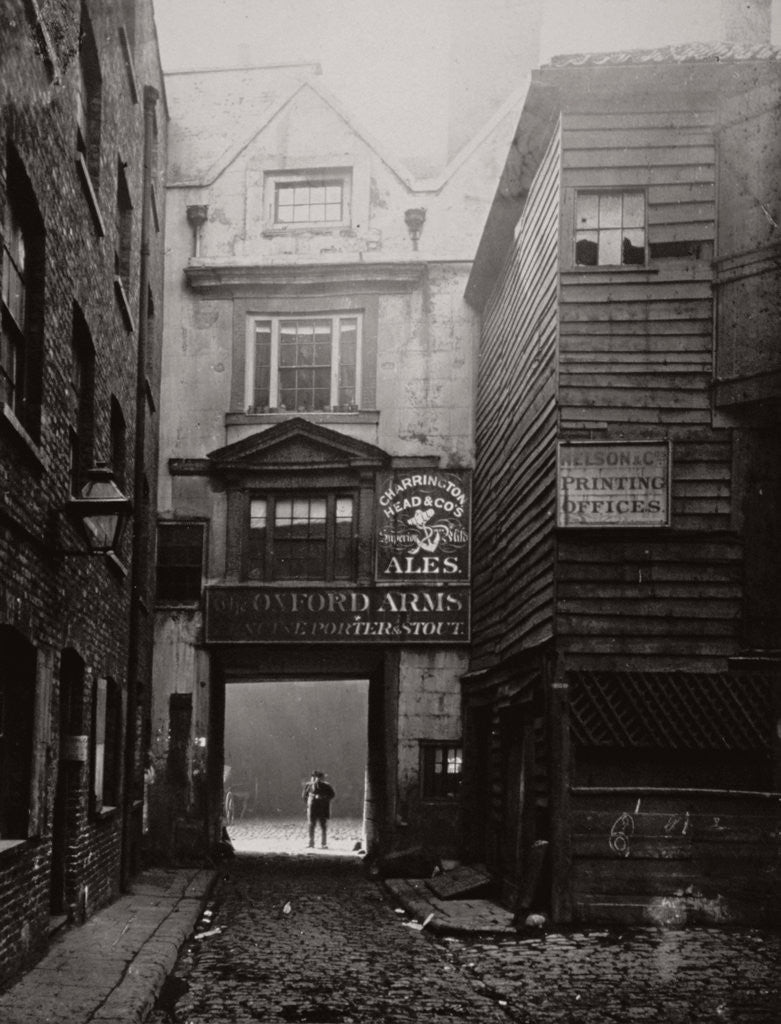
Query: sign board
point(423, 526)
point(613, 483)
point(328, 615)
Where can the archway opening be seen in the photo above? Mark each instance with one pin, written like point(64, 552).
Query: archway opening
point(277, 732)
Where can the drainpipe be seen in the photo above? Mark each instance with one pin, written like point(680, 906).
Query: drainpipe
point(140, 509)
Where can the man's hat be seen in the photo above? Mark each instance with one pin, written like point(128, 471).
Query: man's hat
point(318, 775)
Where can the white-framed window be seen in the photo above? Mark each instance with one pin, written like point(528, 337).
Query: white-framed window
point(610, 228)
point(303, 363)
point(309, 199)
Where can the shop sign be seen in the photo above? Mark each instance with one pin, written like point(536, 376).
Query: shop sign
point(423, 526)
point(613, 484)
point(328, 615)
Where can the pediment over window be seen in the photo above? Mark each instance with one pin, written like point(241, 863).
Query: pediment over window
point(294, 445)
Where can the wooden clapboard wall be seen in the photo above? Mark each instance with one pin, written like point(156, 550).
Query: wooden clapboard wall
point(636, 361)
point(514, 494)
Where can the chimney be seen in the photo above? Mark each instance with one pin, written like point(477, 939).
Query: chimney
point(746, 22)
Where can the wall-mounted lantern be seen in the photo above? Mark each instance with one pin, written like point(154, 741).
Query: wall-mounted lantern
point(196, 218)
point(415, 219)
point(102, 510)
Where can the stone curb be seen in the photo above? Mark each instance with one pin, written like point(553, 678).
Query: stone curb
point(135, 996)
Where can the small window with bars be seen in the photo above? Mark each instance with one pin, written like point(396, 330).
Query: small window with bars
point(440, 770)
point(302, 537)
point(180, 562)
point(610, 229)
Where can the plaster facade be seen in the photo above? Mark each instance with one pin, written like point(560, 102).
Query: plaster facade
point(397, 260)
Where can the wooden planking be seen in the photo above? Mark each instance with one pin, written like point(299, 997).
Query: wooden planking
point(639, 177)
point(625, 136)
point(639, 155)
point(646, 119)
point(516, 430)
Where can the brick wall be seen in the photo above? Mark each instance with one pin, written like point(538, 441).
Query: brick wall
point(55, 601)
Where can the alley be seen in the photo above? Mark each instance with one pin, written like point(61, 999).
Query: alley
point(307, 937)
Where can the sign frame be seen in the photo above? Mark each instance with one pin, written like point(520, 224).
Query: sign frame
point(601, 451)
point(321, 615)
point(423, 527)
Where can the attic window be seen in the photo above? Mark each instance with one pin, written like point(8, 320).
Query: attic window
point(320, 199)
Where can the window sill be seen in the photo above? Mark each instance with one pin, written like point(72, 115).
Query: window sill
point(127, 53)
point(124, 305)
point(609, 269)
point(344, 229)
point(233, 419)
point(10, 418)
point(89, 193)
point(10, 844)
point(116, 564)
point(106, 813)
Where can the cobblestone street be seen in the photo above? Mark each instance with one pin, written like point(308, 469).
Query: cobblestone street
point(303, 935)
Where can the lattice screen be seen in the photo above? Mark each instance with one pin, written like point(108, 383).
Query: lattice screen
point(671, 711)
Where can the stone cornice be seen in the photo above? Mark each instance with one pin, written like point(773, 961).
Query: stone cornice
point(259, 278)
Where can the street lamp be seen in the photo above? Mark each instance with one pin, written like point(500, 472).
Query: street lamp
point(102, 509)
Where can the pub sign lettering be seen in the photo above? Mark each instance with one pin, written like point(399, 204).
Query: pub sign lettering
point(405, 615)
point(423, 526)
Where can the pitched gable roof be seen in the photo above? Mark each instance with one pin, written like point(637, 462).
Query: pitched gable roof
point(211, 127)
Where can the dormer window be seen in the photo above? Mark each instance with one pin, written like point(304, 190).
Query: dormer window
point(320, 199)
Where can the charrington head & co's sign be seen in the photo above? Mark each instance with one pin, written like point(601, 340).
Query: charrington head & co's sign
point(423, 526)
point(613, 483)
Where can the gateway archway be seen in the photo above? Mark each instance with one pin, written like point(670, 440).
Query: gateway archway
point(276, 733)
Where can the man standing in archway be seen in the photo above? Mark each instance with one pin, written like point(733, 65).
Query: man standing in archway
point(318, 795)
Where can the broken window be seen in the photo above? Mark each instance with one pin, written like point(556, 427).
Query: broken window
point(610, 229)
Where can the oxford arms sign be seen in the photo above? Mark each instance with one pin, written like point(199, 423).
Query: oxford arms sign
point(326, 615)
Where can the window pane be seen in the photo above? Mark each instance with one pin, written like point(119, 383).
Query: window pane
point(633, 248)
point(262, 383)
point(610, 210)
point(610, 248)
point(333, 194)
point(587, 211)
point(587, 249)
point(180, 562)
point(634, 209)
point(257, 514)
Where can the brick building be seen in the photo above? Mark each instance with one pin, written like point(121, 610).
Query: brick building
point(622, 754)
point(319, 365)
point(82, 154)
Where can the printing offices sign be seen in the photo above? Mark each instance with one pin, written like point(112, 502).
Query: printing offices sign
point(423, 526)
point(613, 484)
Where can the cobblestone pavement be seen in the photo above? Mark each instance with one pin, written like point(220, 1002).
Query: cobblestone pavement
point(310, 938)
point(692, 976)
point(301, 936)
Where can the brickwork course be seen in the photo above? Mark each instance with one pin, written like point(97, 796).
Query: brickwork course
point(72, 172)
